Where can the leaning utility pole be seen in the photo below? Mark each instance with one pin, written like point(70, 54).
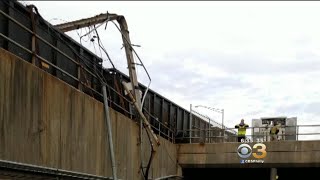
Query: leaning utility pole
point(98, 19)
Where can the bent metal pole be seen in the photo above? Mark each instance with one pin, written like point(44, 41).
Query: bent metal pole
point(146, 123)
point(108, 124)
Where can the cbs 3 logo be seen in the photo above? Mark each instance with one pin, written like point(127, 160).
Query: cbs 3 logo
point(245, 151)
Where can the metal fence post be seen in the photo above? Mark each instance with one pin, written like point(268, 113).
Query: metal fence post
point(190, 123)
point(159, 127)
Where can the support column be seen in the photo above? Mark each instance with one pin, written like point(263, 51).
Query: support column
point(273, 174)
point(109, 129)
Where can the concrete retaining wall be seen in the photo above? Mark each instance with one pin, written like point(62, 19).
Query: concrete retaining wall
point(44, 121)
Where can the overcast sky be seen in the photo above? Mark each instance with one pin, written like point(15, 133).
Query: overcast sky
point(254, 59)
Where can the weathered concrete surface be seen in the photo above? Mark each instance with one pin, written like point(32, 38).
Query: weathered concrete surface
point(279, 154)
point(44, 121)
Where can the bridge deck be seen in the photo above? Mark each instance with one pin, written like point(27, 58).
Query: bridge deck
point(279, 154)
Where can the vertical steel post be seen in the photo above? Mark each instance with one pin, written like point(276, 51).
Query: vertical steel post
point(33, 38)
point(190, 123)
point(297, 132)
point(209, 130)
point(108, 124)
point(273, 174)
point(159, 126)
point(140, 144)
point(223, 128)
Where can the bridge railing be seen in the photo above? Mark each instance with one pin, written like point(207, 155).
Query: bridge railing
point(253, 134)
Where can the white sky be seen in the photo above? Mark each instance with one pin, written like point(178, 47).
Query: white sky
point(254, 59)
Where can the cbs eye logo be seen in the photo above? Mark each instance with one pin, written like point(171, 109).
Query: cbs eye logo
point(245, 151)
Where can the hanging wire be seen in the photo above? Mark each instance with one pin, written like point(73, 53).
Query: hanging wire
point(141, 63)
point(102, 47)
point(56, 34)
point(86, 61)
point(84, 36)
point(89, 33)
point(95, 36)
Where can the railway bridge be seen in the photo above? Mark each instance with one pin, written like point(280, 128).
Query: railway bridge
point(53, 119)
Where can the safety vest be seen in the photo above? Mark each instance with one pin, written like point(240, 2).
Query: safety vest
point(274, 129)
point(242, 129)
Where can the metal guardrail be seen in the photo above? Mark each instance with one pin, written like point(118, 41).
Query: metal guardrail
point(213, 122)
point(161, 128)
point(261, 134)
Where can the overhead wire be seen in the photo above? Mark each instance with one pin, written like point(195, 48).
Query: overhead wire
point(90, 31)
point(65, 21)
point(94, 29)
point(87, 62)
point(91, 41)
point(79, 34)
point(83, 36)
point(102, 47)
point(84, 74)
point(99, 47)
point(56, 34)
point(84, 59)
point(88, 34)
point(100, 44)
point(141, 63)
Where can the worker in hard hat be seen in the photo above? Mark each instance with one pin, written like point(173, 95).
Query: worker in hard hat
point(274, 131)
point(242, 129)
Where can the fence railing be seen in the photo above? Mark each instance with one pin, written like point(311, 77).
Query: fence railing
point(253, 134)
point(212, 122)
